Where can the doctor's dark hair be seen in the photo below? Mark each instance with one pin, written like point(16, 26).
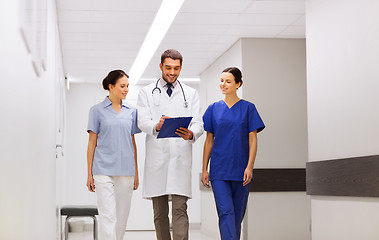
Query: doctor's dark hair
point(112, 78)
point(237, 74)
point(171, 53)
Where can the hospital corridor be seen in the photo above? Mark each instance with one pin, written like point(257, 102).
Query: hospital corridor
point(309, 67)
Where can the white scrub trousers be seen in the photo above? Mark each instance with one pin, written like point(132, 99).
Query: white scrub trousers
point(114, 195)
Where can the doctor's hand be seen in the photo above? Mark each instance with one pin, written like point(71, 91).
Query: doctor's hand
point(160, 123)
point(247, 176)
point(184, 133)
point(205, 179)
point(90, 183)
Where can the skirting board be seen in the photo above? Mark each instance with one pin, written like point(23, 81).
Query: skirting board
point(276, 180)
point(355, 177)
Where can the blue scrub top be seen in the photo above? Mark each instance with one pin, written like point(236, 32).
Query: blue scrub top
point(114, 153)
point(231, 128)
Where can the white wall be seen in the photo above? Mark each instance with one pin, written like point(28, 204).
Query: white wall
point(28, 137)
point(210, 78)
point(80, 98)
point(275, 80)
point(343, 71)
point(274, 73)
point(273, 216)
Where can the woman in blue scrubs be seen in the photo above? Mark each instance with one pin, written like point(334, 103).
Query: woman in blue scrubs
point(112, 156)
point(232, 125)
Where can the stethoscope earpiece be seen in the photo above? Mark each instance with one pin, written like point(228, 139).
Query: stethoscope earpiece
point(185, 105)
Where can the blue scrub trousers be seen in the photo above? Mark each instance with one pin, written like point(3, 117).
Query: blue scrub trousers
point(231, 200)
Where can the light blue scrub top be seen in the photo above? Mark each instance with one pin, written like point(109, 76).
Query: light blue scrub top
point(231, 128)
point(114, 153)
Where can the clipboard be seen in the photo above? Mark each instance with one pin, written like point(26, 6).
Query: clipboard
point(171, 124)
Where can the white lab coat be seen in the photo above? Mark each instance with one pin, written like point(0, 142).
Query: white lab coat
point(168, 162)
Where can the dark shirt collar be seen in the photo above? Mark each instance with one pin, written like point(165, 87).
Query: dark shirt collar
point(164, 83)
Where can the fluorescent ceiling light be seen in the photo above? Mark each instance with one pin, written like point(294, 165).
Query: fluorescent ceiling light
point(162, 22)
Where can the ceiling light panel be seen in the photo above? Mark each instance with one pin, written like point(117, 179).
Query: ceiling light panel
point(162, 21)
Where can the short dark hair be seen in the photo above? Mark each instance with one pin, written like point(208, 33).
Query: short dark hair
point(112, 78)
point(171, 53)
point(237, 74)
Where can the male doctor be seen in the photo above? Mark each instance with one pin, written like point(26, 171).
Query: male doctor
point(167, 174)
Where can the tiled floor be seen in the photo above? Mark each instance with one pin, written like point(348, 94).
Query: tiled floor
point(137, 235)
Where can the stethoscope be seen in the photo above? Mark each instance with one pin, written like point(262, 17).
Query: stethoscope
point(156, 99)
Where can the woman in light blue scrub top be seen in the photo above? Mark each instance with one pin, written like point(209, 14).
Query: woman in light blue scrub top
point(112, 156)
point(232, 125)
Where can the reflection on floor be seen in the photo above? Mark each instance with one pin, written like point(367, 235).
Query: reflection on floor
point(136, 235)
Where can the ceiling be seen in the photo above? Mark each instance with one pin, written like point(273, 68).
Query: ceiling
point(98, 36)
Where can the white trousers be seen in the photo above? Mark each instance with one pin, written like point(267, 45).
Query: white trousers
point(114, 195)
